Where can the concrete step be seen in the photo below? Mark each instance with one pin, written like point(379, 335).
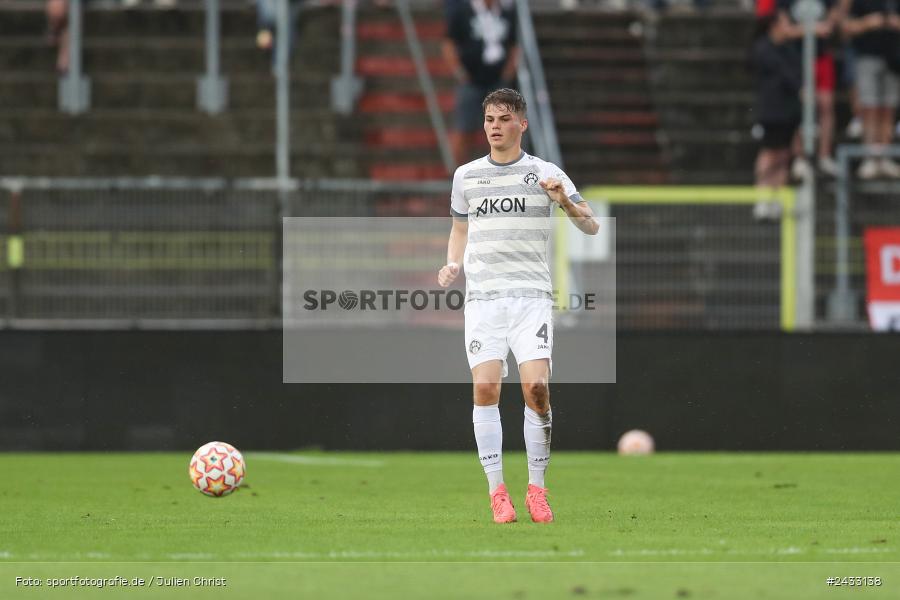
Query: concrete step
point(718, 77)
point(599, 120)
point(150, 128)
point(697, 31)
point(613, 35)
point(398, 171)
point(226, 161)
point(598, 98)
point(161, 55)
point(590, 56)
point(408, 85)
point(611, 139)
point(714, 156)
point(401, 137)
point(398, 66)
point(623, 78)
point(375, 29)
point(731, 54)
point(423, 16)
point(378, 103)
point(731, 116)
point(370, 47)
point(186, 20)
point(166, 91)
point(405, 119)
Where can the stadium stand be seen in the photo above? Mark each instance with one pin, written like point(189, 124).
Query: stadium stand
point(143, 64)
point(640, 99)
point(640, 111)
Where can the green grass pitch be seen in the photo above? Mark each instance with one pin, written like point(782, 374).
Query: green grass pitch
point(417, 525)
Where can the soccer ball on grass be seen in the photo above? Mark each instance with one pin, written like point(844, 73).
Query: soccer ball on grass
point(635, 443)
point(217, 469)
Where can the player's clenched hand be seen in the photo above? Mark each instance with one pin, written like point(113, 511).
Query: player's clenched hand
point(448, 274)
point(556, 191)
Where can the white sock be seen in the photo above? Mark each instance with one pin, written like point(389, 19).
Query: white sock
point(537, 444)
point(489, 437)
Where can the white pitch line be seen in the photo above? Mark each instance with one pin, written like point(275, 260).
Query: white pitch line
point(789, 551)
point(316, 461)
point(856, 550)
point(192, 556)
point(666, 552)
point(433, 553)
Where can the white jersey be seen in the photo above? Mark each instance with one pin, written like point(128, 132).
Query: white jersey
point(510, 221)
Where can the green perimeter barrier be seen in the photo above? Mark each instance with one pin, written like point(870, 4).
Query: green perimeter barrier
point(705, 195)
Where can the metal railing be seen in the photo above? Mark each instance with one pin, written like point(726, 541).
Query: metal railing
point(346, 87)
point(212, 88)
point(693, 257)
point(534, 88)
point(843, 304)
point(205, 253)
point(426, 83)
point(74, 87)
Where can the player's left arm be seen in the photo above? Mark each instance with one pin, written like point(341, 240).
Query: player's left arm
point(579, 211)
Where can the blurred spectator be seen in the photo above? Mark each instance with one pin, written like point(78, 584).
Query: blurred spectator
point(58, 31)
point(764, 8)
point(874, 27)
point(663, 5)
point(58, 25)
point(848, 75)
point(778, 110)
point(481, 51)
point(159, 3)
point(825, 83)
point(267, 24)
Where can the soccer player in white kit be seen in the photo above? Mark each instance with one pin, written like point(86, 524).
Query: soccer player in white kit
point(502, 207)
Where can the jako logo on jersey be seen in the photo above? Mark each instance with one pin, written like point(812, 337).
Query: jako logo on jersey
point(488, 457)
point(500, 205)
point(484, 182)
point(531, 179)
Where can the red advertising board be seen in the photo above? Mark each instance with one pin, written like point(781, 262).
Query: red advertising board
point(882, 246)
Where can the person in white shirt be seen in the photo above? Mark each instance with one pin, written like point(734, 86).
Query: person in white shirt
point(502, 208)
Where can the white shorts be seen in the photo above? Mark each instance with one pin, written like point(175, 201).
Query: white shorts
point(523, 325)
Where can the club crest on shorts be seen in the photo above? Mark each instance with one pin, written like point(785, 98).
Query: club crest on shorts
point(474, 346)
point(531, 179)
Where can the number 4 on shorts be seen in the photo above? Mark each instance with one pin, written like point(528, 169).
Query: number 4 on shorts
point(542, 333)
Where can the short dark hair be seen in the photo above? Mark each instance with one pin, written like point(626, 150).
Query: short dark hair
point(509, 98)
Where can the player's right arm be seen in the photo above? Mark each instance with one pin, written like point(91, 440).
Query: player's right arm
point(459, 234)
point(456, 248)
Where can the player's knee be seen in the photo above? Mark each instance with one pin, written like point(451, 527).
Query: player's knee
point(487, 393)
point(538, 394)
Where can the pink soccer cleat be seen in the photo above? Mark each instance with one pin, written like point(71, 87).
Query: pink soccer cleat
point(536, 503)
point(504, 511)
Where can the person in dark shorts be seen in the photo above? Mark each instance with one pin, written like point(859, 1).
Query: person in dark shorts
point(778, 110)
point(481, 51)
point(874, 28)
point(825, 74)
